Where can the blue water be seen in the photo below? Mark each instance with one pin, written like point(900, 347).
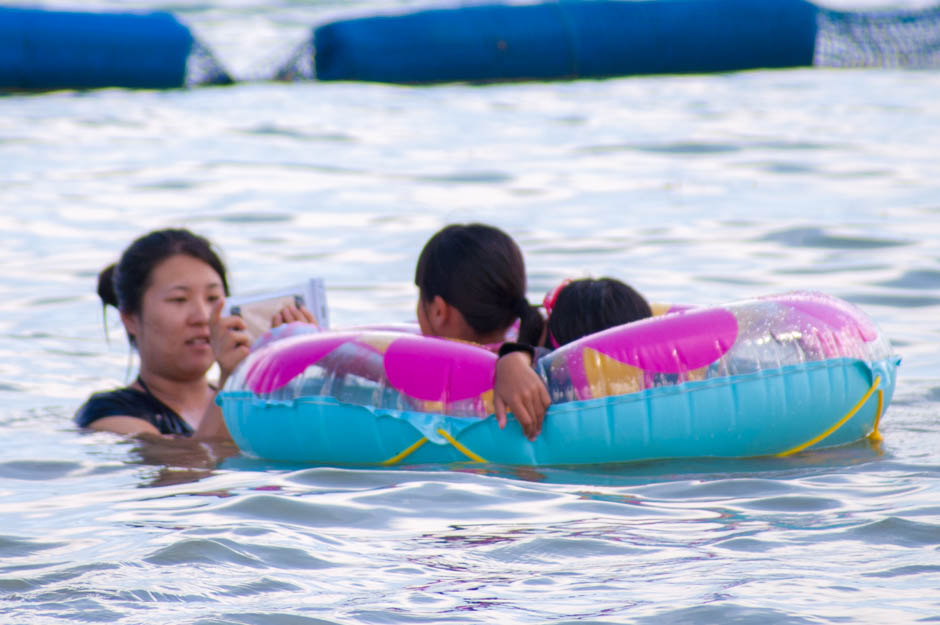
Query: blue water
point(696, 189)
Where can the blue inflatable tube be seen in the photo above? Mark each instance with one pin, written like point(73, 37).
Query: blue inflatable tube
point(568, 39)
point(63, 50)
point(770, 376)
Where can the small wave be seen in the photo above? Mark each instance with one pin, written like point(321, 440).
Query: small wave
point(39, 470)
point(818, 237)
point(894, 531)
point(223, 552)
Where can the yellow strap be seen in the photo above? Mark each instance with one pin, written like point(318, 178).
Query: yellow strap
point(405, 453)
point(450, 439)
point(839, 423)
point(875, 435)
point(453, 441)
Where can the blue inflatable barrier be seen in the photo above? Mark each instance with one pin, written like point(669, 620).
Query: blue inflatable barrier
point(61, 50)
point(568, 39)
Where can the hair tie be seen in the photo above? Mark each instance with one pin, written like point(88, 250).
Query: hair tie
point(552, 296)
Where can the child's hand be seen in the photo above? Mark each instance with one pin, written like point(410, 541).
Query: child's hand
point(292, 313)
point(520, 390)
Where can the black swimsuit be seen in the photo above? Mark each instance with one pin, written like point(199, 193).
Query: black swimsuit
point(129, 402)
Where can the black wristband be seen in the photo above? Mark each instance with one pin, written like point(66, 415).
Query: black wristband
point(508, 348)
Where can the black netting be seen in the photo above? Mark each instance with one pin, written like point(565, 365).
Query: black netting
point(300, 64)
point(878, 39)
point(202, 68)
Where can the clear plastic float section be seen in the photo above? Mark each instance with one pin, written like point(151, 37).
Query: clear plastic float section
point(766, 376)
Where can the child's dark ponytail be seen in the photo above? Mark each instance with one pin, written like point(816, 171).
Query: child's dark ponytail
point(531, 325)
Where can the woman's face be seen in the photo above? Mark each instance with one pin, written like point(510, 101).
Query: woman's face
point(172, 328)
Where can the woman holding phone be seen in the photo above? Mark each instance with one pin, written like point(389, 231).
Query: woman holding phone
point(169, 287)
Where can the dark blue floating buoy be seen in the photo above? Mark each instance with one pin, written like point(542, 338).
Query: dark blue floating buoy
point(64, 50)
point(568, 39)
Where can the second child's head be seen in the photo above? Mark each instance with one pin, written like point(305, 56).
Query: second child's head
point(581, 307)
point(472, 284)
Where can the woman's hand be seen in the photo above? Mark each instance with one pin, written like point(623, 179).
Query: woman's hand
point(519, 389)
point(292, 313)
point(230, 341)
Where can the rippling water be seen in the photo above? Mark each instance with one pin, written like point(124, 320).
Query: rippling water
point(696, 189)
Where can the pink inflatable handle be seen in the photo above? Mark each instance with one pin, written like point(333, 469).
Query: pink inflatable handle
point(272, 368)
point(433, 369)
point(673, 343)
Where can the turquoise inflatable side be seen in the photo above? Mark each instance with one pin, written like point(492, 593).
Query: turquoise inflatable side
point(767, 412)
point(42, 49)
point(568, 39)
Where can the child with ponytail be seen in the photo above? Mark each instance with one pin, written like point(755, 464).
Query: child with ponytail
point(472, 284)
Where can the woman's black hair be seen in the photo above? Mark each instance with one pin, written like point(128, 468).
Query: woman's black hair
point(479, 270)
point(591, 305)
point(122, 284)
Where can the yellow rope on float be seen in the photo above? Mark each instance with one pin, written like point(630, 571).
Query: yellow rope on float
point(875, 435)
point(414, 446)
point(405, 452)
point(453, 441)
point(840, 422)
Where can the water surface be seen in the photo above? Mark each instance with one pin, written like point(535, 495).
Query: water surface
point(696, 189)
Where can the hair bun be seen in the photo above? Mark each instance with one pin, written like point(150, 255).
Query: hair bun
point(106, 286)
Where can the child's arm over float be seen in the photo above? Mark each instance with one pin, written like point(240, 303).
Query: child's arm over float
point(517, 388)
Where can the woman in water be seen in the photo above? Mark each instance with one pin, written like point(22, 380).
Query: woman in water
point(169, 287)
